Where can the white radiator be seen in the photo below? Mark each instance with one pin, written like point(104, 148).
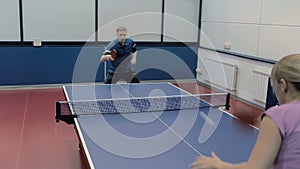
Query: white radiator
point(221, 74)
point(259, 85)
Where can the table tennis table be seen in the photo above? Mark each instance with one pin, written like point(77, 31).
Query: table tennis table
point(161, 139)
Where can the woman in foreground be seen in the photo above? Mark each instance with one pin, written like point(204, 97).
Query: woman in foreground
point(278, 142)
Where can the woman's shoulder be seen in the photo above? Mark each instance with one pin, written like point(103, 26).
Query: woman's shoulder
point(285, 109)
point(292, 104)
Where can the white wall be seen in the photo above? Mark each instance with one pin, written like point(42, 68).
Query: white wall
point(142, 18)
point(9, 20)
point(261, 28)
point(265, 29)
point(75, 20)
point(58, 20)
point(181, 20)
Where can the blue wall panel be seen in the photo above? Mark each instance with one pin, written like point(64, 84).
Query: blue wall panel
point(167, 63)
point(54, 65)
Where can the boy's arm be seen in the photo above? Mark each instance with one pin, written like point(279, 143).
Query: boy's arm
point(134, 55)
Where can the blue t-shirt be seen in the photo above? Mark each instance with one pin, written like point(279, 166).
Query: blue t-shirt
point(122, 62)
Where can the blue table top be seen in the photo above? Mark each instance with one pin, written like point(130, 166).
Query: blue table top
point(170, 139)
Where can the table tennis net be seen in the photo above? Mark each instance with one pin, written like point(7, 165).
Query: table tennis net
point(72, 109)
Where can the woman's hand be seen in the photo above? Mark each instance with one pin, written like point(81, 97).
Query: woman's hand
point(213, 162)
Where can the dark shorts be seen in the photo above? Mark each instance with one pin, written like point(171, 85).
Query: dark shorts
point(129, 77)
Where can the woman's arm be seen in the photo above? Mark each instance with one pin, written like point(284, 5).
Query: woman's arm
point(267, 145)
point(263, 154)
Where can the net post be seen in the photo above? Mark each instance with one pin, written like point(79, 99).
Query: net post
point(58, 111)
point(227, 104)
point(61, 116)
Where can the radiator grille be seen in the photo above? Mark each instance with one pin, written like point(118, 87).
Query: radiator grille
point(221, 73)
point(260, 85)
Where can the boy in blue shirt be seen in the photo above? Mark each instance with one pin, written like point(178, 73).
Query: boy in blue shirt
point(122, 53)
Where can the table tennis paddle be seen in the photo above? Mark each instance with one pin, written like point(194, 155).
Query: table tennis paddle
point(113, 54)
point(109, 55)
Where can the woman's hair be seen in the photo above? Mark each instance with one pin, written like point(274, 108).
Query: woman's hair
point(121, 28)
point(288, 68)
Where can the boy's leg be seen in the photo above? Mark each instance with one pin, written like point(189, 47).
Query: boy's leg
point(135, 79)
point(131, 78)
point(109, 78)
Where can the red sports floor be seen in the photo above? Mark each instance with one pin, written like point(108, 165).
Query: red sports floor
point(31, 139)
